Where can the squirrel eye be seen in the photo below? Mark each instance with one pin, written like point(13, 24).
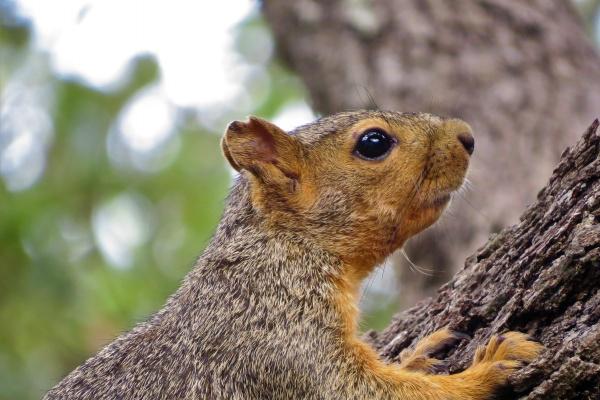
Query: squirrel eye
point(374, 144)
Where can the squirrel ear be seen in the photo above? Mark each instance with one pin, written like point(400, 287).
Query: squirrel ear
point(261, 148)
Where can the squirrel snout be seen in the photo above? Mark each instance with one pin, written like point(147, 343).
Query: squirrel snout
point(468, 141)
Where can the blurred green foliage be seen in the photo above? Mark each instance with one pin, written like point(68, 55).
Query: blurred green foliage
point(60, 299)
point(590, 13)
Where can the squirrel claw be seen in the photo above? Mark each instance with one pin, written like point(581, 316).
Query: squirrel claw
point(420, 358)
point(493, 363)
point(513, 346)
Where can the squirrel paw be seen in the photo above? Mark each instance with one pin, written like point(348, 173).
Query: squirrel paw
point(420, 358)
point(503, 355)
point(506, 349)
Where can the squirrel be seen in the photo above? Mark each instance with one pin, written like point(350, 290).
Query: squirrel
point(269, 310)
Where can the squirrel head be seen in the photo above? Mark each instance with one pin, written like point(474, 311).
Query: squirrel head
point(357, 183)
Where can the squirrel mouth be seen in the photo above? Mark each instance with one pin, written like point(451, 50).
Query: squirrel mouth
point(438, 200)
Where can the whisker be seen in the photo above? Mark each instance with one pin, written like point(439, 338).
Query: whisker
point(476, 209)
point(367, 286)
point(415, 268)
point(371, 99)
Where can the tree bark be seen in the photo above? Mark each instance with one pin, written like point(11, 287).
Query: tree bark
point(522, 73)
point(541, 276)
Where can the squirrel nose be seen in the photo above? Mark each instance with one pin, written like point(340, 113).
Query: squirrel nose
point(468, 142)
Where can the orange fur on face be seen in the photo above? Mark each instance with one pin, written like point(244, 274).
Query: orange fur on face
point(360, 210)
point(379, 204)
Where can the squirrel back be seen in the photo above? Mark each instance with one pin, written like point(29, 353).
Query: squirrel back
point(270, 307)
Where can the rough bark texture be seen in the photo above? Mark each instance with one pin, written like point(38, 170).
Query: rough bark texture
point(522, 73)
point(541, 276)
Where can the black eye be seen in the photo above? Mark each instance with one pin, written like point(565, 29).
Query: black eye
point(374, 144)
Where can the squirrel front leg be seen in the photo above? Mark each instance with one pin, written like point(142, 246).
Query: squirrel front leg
point(420, 357)
point(491, 367)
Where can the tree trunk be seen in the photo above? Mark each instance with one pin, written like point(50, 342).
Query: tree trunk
point(541, 276)
point(522, 73)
